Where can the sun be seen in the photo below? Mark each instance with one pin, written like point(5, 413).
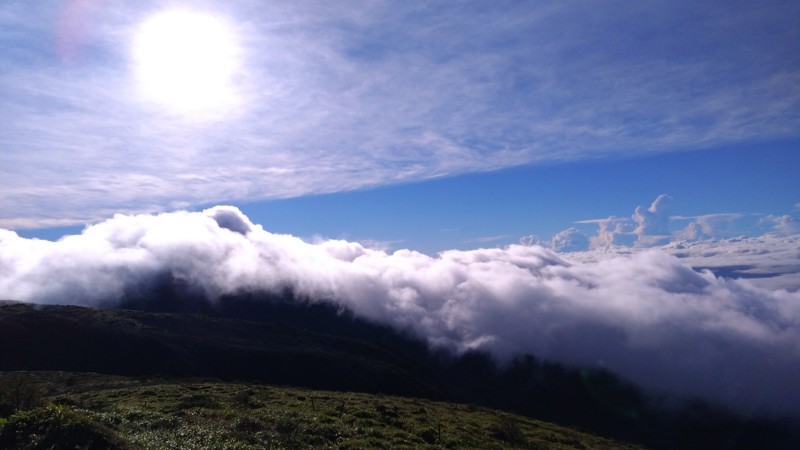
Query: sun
point(186, 61)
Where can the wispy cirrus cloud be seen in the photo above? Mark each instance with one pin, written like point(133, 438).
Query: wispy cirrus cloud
point(339, 98)
point(488, 239)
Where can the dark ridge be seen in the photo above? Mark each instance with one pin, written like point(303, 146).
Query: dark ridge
point(169, 295)
point(279, 339)
point(129, 342)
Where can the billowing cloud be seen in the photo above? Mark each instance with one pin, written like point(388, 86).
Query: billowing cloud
point(654, 227)
point(645, 315)
point(569, 240)
point(652, 223)
point(645, 228)
point(770, 261)
point(333, 98)
point(612, 232)
point(708, 225)
point(783, 224)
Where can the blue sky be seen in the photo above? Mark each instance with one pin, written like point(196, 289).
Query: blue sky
point(498, 208)
point(429, 126)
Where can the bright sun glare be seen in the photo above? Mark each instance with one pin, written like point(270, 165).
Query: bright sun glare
point(186, 61)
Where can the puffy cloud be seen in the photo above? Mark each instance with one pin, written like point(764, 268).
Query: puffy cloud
point(531, 239)
point(784, 224)
point(708, 225)
point(230, 219)
point(652, 223)
point(771, 261)
point(645, 315)
point(692, 232)
point(612, 232)
point(569, 240)
point(645, 228)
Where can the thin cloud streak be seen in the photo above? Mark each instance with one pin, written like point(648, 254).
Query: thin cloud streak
point(485, 239)
point(338, 99)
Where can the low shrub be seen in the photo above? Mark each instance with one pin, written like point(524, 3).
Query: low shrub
point(18, 392)
point(57, 427)
point(508, 429)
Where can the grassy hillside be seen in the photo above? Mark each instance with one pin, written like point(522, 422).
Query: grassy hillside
point(316, 347)
point(173, 414)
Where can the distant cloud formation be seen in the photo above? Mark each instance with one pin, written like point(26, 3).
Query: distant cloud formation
point(709, 225)
point(645, 315)
point(769, 259)
point(569, 240)
point(652, 223)
point(784, 224)
point(647, 228)
point(650, 227)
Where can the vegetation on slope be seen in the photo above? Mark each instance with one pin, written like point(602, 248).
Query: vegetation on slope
point(317, 347)
point(100, 411)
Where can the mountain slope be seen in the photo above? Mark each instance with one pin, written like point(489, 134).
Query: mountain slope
point(314, 346)
point(190, 413)
point(137, 343)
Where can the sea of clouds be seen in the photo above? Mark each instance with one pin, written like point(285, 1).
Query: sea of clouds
point(769, 257)
point(645, 315)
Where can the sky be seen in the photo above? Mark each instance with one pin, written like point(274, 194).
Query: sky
point(157, 106)
point(595, 182)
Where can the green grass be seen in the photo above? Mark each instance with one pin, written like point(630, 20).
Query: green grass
point(206, 414)
point(56, 427)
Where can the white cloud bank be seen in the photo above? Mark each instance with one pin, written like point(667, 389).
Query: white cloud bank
point(646, 316)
